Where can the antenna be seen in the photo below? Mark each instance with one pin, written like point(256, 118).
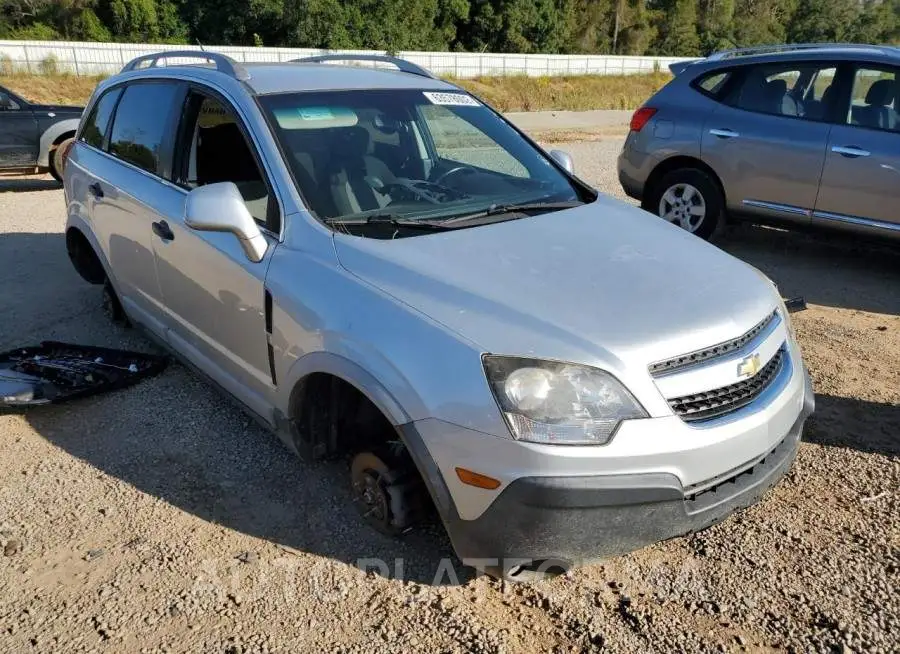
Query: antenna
point(202, 49)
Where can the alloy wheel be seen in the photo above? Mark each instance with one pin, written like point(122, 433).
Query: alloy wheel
point(683, 205)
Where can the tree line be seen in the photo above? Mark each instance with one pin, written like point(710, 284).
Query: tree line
point(631, 27)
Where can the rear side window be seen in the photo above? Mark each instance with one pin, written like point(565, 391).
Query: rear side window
point(140, 125)
point(95, 127)
point(713, 83)
point(797, 89)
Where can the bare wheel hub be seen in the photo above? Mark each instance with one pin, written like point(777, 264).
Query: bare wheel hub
point(386, 490)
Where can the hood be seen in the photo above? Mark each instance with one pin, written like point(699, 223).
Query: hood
point(602, 284)
point(58, 108)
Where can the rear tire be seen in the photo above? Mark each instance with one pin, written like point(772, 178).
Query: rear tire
point(112, 307)
point(58, 156)
point(688, 198)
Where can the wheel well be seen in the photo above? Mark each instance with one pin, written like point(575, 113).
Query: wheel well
point(674, 163)
point(332, 418)
point(83, 257)
point(62, 137)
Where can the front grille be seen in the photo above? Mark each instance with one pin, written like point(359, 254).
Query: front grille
point(693, 358)
point(719, 401)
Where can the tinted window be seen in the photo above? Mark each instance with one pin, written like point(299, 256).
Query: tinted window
point(139, 127)
point(97, 123)
point(798, 90)
point(713, 83)
point(875, 100)
point(218, 151)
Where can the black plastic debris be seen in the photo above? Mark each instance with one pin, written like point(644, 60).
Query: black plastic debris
point(795, 304)
point(56, 372)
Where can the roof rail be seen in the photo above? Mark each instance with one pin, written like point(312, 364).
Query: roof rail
point(402, 64)
point(223, 63)
point(790, 47)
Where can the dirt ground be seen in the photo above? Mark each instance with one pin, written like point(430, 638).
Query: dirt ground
point(160, 519)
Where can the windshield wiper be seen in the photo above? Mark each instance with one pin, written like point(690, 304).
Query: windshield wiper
point(490, 214)
point(386, 218)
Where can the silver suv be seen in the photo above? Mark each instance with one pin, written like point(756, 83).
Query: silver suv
point(805, 135)
point(378, 266)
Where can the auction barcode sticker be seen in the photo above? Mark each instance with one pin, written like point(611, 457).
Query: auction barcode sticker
point(451, 99)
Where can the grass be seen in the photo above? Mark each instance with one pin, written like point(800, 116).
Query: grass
point(514, 93)
point(575, 93)
point(51, 89)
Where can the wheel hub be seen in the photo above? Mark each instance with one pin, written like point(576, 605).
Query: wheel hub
point(371, 497)
point(683, 205)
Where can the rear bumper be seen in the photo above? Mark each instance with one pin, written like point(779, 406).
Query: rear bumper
point(634, 169)
point(575, 519)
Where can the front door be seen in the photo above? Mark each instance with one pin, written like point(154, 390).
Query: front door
point(862, 163)
point(766, 141)
point(214, 295)
point(18, 132)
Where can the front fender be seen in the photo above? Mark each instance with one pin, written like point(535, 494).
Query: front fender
point(51, 134)
point(354, 374)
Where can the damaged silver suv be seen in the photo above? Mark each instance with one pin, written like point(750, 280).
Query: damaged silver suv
point(378, 266)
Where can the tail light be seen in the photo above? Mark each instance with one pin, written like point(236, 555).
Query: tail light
point(640, 118)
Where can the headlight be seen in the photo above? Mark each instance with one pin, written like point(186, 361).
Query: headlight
point(553, 402)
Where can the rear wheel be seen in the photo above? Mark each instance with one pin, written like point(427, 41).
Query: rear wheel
point(688, 198)
point(58, 157)
point(112, 308)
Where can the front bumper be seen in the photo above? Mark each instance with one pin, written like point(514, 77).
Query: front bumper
point(579, 519)
point(575, 519)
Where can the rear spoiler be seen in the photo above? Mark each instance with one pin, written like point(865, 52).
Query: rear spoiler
point(680, 66)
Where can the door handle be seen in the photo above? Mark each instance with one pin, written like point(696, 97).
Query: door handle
point(163, 230)
point(96, 190)
point(850, 151)
point(724, 133)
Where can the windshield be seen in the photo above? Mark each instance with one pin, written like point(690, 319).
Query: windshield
point(368, 156)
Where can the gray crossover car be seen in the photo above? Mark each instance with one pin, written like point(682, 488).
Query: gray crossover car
point(378, 266)
point(806, 135)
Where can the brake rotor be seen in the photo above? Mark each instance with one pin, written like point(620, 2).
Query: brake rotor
point(378, 499)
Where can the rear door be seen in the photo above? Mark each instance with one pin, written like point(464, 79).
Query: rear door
point(128, 191)
point(862, 163)
point(766, 139)
point(18, 132)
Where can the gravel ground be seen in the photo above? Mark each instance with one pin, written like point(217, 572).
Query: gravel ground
point(160, 519)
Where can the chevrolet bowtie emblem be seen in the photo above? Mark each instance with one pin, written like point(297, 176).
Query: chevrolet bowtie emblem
point(749, 366)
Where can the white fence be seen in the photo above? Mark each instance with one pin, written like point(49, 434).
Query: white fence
point(107, 58)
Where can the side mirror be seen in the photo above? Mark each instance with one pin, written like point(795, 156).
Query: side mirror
point(6, 103)
point(564, 159)
point(220, 208)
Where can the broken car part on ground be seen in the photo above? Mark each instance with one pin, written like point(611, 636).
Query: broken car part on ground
point(55, 372)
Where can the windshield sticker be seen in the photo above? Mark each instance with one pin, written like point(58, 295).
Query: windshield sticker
point(315, 117)
point(451, 99)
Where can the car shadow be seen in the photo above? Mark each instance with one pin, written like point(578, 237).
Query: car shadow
point(23, 184)
point(838, 270)
point(870, 427)
point(176, 438)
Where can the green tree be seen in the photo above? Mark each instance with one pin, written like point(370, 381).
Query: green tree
point(678, 29)
point(758, 22)
point(715, 25)
point(819, 21)
point(518, 25)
